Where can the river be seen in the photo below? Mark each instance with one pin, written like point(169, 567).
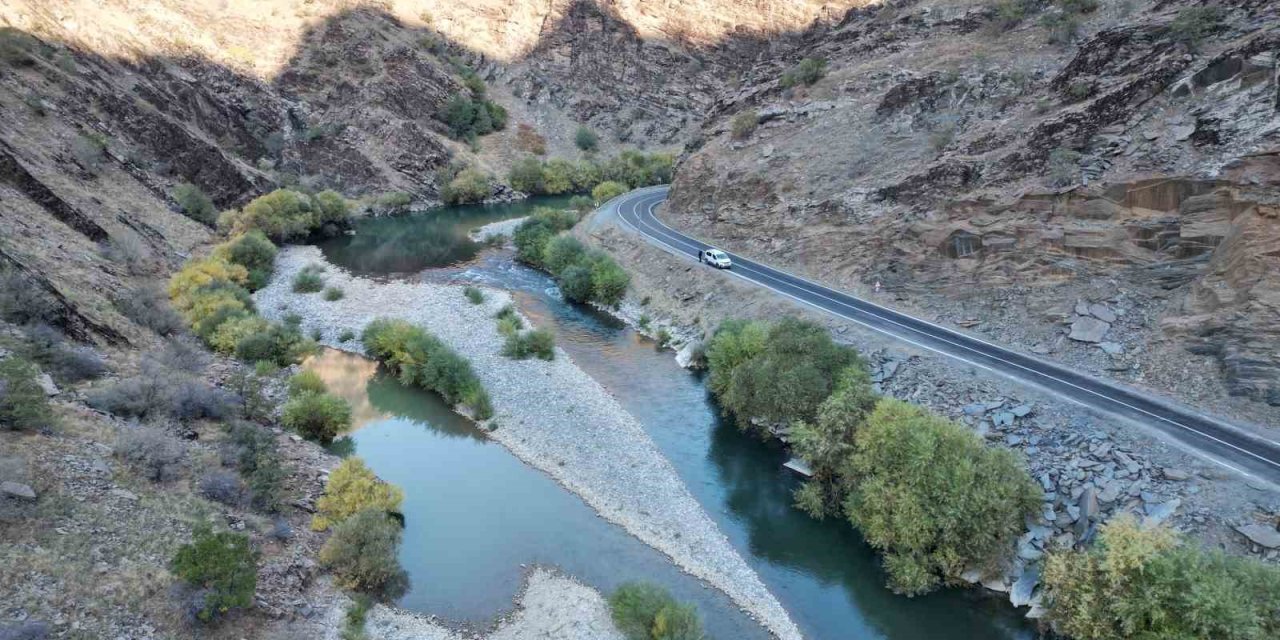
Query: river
point(476, 515)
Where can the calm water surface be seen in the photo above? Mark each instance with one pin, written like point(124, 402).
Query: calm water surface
point(822, 572)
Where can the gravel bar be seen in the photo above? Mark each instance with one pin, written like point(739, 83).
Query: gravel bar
point(551, 415)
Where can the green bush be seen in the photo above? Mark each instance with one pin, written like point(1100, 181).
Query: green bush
point(305, 382)
point(468, 118)
point(363, 554)
point(533, 235)
point(1144, 582)
point(932, 497)
point(308, 280)
point(346, 335)
point(393, 202)
point(258, 459)
point(526, 175)
point(195, 204)
point(778, 373)
point(642, 611)
point(509, 326)
point(333, 294)
point(538, 343)
point(352, 488)
point(419, 358)
point(470, 186)
point(1063, 167)
point(581, 204)
point(222, 567)
point(281, 344)
point(586, 139)
point(317, 416)
point(17, 48)
point(354, 620)
point(575, 283)
point(806, 72)
point(608, 190)
point(474, 295)
point(23, 404)
point(285, 215)
point(744, 124)
point(1193, 24)
point(561, 252)
point(253, 251)
point(827, 441)
point(609, 281)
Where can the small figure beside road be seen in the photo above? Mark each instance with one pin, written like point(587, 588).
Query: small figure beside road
point(877, 286)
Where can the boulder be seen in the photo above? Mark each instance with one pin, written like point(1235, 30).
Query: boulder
point(1102, 312)
point(17, 490)
point(1022, 590)
point(1088, 329)
point(1261, 535)
point(1171, 473)
point(1111, 348)
point(1159, 512)
point(46, 383)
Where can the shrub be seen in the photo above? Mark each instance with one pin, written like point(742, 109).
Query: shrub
point(608, 190)
point(526, 175)
point(222, 566)
point(90, 149)
point(529, 140)
point(1063, 167)
point(221, 486)
point(64, 361)
point(363, 554)
point(285, 214)
point(929, 494)
point(354, 620)
point(744, 124)
point(470, 186)
point(232, 332)
point(609, 281)
point(129, 252)
point(308, 280)
point(23, 403)
point(643, 611)
point(1194, 23)
point(586, 139)
point(282, 344)
point(258, 460)
point(468, 118)
point(333, 294)
point(148, 307)
point(827, 441)
point(539, 343)
point(195, 204)
point(253, 251)
point(474, 295)
point(777, 372)
point(418, 358)
point(575, 283)
point(1143, 582)
point(560, 252)
point(394, 202)
point(317, 416)
point(581, 204)
point(346, 336)
point(509, 326)
point(153, 454)
point(306, 382)
point(22, 301)
point(17, 48)
point(352, 488)
point(247, 385)
point(806, 72)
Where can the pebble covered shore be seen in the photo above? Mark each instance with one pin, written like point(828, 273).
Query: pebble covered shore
point(551, 415)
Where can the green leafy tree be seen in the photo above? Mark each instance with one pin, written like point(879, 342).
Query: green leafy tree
point(253, 251)
point(363, 553)
point(561, 252)
point(609, 190)
point(932, 497)
point(526, 175)
point(827, 441)
point(1144, 582)
point(222, 566)
point(575, 283)
point(470, 186)
point(609, 281)
point(586, 139)
point(317, 416)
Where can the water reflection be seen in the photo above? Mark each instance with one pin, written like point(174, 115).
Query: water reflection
point(476, 516)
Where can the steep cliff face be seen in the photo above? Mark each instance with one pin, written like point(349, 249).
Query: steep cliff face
point(993, 179)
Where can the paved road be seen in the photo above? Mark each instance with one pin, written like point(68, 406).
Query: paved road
point(1212, 438)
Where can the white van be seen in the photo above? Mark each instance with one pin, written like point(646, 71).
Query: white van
point(715, 258)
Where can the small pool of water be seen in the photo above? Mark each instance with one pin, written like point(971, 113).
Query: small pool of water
point(407, 244)
point(476, 517)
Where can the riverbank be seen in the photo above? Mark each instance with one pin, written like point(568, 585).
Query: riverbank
point(499, 229)
point(1091, 467)
point(551, 415)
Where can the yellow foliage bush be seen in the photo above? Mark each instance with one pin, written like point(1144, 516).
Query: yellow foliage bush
point(197, 274)
point(353, 487)
point(231, 332)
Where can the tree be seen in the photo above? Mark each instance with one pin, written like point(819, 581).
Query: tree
point(222, 566)
point(609, 281)
point(560, 252)
point(363, 554)
point(470, 186)
point(526, 175)
point(932, 497)
point(575, 283)
point(827, 441)
point(23, 403)
point(317, 416)
point(608, 190)
point(1144, 582)
point(352, 487)
point(586, 139)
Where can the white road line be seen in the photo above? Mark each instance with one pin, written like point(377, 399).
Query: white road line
point(676, 237)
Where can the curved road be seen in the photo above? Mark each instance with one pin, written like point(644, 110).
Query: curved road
point(1213, 438)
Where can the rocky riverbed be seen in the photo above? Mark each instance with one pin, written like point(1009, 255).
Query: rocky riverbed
point(551, 414)
point(499, 229)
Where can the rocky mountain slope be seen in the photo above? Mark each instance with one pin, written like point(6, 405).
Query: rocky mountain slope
point(1004, 166)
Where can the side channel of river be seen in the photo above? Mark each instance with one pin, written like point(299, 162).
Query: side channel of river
point(476, 514)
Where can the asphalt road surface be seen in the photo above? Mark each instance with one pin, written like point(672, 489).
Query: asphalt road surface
point(1213, 438)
